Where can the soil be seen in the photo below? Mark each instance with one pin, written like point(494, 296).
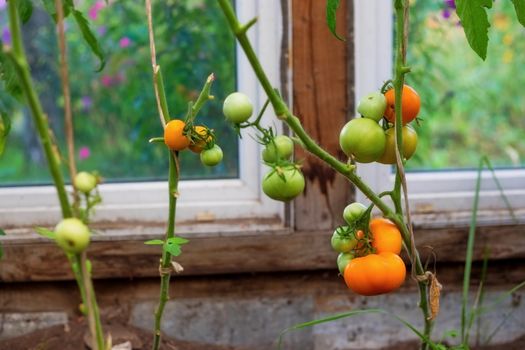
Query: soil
point(72, 337)
point(517, 344)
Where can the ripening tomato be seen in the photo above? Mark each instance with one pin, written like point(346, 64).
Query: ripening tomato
point(363, 139)
point(385, 236)
point(174, 136)
point(199, 145)
point(409, 144)
point(375, 274)
point(410, 105)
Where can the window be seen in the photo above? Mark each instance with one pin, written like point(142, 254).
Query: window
point(463, 116)
point(232, 192)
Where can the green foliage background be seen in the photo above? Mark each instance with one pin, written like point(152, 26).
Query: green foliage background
point(115, 110)
point(470, 107)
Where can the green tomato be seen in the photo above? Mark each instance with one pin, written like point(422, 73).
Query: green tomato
point(372, 106)
point(212, 156)
point(353, 212)
point(237, 108)
point(409, 144)
point(342, 244)
point(72, 235)
point(283, 183)
point(342, 261)
point(85, 182)
point(281, 147)
point(363, 139)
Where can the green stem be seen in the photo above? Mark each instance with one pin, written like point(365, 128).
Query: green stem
point(283, 113)
point(165, 263)
point(19, 60)
point(162, 94)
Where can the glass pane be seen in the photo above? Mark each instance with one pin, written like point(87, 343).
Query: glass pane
point(115, 111)
point(470, 107)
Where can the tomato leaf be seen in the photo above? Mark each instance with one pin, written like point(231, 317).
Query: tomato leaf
point(473, 15)
point(5, 127)
point(331, 12)
point(173, 244)
point(154, 242)
point(177, 240)
point(25, 9)
point(45, 232)
point(89, 37)
point(519, 6)
point(9, 77)
point(2, 233)
point(49, 6)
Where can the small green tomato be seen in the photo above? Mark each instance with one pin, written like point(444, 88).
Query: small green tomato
point(280, 148)
point(72, 235)
point(237, 108)
point(212, 156)
point(353, 212)
point(342, 261)
point(85, 182)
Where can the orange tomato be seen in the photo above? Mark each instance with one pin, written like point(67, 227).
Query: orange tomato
point(410, 105)
point(199, 145)
point(174, 137)
point(385, 236)
point(375, 274)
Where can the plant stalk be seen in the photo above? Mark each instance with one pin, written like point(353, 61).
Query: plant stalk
point(18, 57)
point(282, 111)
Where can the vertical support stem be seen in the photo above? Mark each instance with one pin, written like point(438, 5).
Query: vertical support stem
point(18, 57)
point(165, 262)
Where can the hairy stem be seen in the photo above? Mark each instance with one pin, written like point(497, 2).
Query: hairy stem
point(19, 60)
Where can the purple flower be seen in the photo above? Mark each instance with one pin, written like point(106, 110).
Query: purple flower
point(450, 4)
point(3, 4)
point(93, 11)
point(124, 42)
point(84, 152)
point(87, 102)
point(445, 13)
point(6, 36)
point(102, 30)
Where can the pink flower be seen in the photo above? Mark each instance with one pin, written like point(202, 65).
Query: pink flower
point(84, 153)
point(87, 102)
point(106, 80)
point(3, 4)
point(93, 11)
point(6, 36)
point(124, 42)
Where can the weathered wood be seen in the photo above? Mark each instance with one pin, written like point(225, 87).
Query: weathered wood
point(257, 252)
point(320, 100)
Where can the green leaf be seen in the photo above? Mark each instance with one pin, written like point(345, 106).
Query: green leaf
point(5, 127)
point(45, 232)
point(2, 233)
point(49, 6)
point(89, 37)
point(25, 9)
point(475, 22)
point(331, 11)
point(9, 77)
point(519, 6)
point(154, 242)
point(177, 240)
point(173, 244)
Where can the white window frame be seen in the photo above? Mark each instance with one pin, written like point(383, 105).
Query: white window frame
point(436, 198)
point(199, 199)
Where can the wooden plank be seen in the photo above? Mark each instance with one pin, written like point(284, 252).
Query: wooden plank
point(263, 251)
point(320, 99)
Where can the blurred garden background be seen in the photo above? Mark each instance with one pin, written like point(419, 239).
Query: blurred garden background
point(469, 107)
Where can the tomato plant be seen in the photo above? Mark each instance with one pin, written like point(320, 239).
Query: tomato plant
point(363, 139)
point(410, 104)
point(409, 144)
point(283, 183)
point(72, 235)
point(372, 106)
point(237, 108)
point(375, 274)
point(212, 156)
point(280, 147)
point(174, 136)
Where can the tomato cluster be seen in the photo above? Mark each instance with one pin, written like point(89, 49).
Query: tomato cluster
point(285, 180)
point(178, 136)
point(365, 140)
point(368, 252)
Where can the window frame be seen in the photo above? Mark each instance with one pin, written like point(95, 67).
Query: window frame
point(239, 198)
point(437, 198)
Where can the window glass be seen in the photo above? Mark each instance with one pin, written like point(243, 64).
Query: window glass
point(470, 107)
point(115, 111)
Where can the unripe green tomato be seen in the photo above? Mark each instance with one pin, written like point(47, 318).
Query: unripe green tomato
point(342, 244)
point(409, 144)
point(283, 183)
point(342, 260)
point(212, 156)
point(72, 235)
point(237, 108)
point(280, 148)
point(353, 212)
point(363, 139)
point(372, 106)
point(85, 182)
